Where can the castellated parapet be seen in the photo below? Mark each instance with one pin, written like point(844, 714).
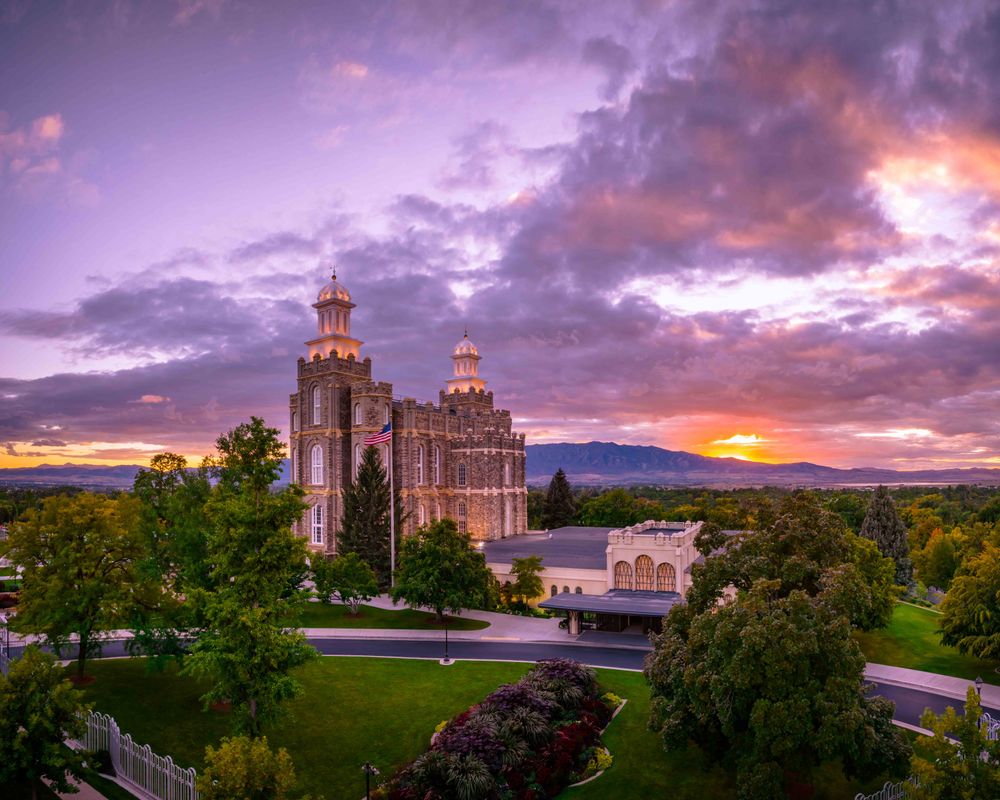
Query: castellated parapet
point(458, 459)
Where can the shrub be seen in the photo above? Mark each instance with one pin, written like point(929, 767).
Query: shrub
point(612, 700)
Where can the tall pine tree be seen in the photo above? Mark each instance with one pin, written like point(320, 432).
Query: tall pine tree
point(883, 526)
point(560, 507)
point(364, 528)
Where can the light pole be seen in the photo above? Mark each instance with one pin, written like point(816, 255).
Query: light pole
point(369, 769)
point(446, 660)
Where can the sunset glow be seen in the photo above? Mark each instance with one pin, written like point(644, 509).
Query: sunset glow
point(767, 233)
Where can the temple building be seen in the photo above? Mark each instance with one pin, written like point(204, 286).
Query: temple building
point(459, 458)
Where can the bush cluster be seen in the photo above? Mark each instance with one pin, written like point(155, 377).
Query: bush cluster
point(525, 741)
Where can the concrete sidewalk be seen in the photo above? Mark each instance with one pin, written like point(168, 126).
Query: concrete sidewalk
point(943, 685)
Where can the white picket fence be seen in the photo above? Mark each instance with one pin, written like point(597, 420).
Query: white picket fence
point(144, 772)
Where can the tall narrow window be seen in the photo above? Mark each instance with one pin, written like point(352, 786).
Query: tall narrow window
point(508, 518)
point(357, 459)
point(462, 475)
point(421, 515)
point(316, 466)
point(437, 465)
point(623, 575)
point(420, 464)
point(294, 476)
point(295, 421)
point(506, 473)
point(666, 578)
point(555, 590)
point(385, 415)
point(461, 518)
point(357, 413)
point(316, 405)
point(317, 524)
point(644, 574)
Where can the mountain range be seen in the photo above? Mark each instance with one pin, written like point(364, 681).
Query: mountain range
point(593, 464)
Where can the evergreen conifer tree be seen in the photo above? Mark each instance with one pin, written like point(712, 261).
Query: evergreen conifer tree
point(365, 527)
point(560, 507)
point(883, 526)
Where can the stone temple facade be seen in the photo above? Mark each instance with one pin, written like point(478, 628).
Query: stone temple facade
point(458, 459)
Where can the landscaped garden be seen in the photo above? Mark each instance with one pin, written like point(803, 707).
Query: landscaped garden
point(385, 710)
point(911, 640)
point(324, 615)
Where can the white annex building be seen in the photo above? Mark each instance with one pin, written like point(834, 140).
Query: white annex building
point(615, 578)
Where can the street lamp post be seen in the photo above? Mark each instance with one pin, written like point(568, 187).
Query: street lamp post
point(369, 769)
point(447, 659)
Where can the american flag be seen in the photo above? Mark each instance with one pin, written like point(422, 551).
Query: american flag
point(381, 437)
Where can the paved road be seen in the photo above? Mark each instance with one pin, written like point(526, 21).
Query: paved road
point(910, 703)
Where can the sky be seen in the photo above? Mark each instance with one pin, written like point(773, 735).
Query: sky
point(767, 229)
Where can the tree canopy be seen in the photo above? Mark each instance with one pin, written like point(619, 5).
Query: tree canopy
point(560, 507)
point(258, 564)
point(440, 569)
point(79, 556)
point(971, 609)
point(346, 578)
point(38, 709)
point(241, 768)
point(883, 525)
point(527, 584)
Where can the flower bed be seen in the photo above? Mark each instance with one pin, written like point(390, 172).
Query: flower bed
point(526, 741)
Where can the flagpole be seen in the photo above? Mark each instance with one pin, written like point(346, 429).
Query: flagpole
point(392, 520)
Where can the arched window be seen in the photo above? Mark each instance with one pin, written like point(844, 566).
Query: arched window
point(421, 515)
point(357, 413)
point(555, 590)
point(623, 575)
point(420, 464)
point(357, 459)
point(644, 574)
point(508, 518)
point(461, 518)
point(579, 590)
point(462, 475)
point(295, 475)
point(385, 415)
point(295, 421)
point(317, 524)
point(316, 405)
point(316, 465)
point(506, 473)
point(666, 578)
point(566, 589)
point(437, 465)
point(437, 510)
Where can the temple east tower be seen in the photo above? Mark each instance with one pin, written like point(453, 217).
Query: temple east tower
point(459, 458)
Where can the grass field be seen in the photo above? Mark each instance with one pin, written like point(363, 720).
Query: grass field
point(384, 710)
point(321, 615)
point(911, 641)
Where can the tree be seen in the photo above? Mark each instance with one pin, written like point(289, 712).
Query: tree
point(883, 525)
point(804, 547)
point(38, 709)
point(258, 565)
point(938, 561)
point(971, 609)
point(772, 685)
point(364, 528)
point(241, 768)
point(439, 569)
point(527, 583)
point(617, 508)
point(560, 508)
point(79, 556)
point(965, 770)
point(345, 577)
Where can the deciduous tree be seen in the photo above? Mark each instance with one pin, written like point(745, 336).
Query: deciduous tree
point(971, 609)
point(560, 507)
point(39, 708)
point(439, 569)
point(242, 768)
point(258, 563)
point(527, 584)
point(883, 525)
point(79, 557)
point(346, 578)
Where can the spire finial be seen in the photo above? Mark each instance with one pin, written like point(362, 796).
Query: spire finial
point(466, 331)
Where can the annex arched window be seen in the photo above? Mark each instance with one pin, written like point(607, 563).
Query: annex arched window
point(666, 578)
point(623, 575)
point(316, 397)
point(644, 574)
point(317, 524)
point(437, 465)
point(579, 590)
point(462, 522)
point(566, 589)
point(357, 413)
point(463, 475)
point(316, 465)
point(420, 464)
point(555, 590)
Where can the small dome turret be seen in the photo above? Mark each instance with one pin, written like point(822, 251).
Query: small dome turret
point(334, 290)
point(465, 347)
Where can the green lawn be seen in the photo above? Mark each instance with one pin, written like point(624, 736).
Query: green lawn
point(385, 710)
point(321, 615)
point(911, 641)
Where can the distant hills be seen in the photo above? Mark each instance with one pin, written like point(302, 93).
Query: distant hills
point(592, 464)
